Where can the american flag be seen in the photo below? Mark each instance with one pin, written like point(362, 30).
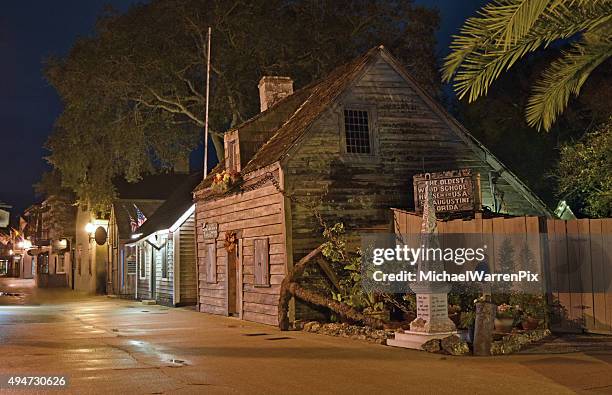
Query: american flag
point(140, 217)
point(133, 223)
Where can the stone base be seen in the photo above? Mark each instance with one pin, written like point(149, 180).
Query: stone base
point(414, 340)
point(149, 301)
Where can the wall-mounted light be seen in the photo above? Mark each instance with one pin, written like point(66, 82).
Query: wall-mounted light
point(90, 228)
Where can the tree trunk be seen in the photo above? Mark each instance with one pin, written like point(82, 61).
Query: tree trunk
point(289, 287)
point(285, 295)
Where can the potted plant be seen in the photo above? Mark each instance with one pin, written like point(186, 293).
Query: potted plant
point(504, 319)
point(533, 309)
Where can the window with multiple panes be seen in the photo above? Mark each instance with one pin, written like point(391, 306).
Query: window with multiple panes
point(357, 132)
point(131, 260)
point(262, 262)
point(44, 263)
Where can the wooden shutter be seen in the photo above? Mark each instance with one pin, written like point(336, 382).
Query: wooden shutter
point(211, 263)
point(262, 262)
point(231, 155)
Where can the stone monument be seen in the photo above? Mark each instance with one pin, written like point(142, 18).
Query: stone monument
point(432, 320)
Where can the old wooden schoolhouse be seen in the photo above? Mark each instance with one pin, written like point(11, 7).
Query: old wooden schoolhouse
point(344, 149)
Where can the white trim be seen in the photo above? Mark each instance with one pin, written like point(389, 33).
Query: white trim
point(180, 221)
point(176, 266)
point(182, 218)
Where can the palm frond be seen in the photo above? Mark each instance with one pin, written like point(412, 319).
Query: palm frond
point(504, 32)
point(562, 79)
point(515, 20)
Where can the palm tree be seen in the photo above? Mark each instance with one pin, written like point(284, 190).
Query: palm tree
point(507, 30)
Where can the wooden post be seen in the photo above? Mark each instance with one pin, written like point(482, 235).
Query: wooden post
point(483, 328)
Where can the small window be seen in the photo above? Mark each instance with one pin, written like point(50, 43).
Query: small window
point(211, 263)
point(357, 132)
point(131, 260)
point(142, 253)
point(59, 264)
point(262, 263)
point(44, 264)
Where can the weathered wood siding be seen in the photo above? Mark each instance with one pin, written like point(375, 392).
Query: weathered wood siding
point(187, 267)
point(255, 214)
point(358, 190)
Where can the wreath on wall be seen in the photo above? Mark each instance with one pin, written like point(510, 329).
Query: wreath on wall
point(224, 180)
point(231, 239)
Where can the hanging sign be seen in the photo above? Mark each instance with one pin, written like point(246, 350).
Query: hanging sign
point(211, 230)
point(451, 190)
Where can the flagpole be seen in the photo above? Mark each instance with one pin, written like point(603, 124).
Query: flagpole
point(207, 97)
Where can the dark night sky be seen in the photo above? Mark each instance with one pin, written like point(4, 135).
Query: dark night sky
point(32, 30)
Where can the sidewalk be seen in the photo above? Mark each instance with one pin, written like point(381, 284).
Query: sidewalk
point(114, 346)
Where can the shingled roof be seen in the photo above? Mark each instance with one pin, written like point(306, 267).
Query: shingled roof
point(314, 99)
point(319, 95)
point(322, 94)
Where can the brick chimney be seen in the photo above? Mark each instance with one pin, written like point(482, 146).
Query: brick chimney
point(272, 89)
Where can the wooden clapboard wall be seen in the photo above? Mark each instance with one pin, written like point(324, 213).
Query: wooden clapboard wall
point(254, 214)
point(187, 255)
point(576, 258)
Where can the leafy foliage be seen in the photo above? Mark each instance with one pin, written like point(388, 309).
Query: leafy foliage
point(497, 121)
point(348, 265)
point(133, 92)
point(50, 184)
point(585, 172)
point(507, 30)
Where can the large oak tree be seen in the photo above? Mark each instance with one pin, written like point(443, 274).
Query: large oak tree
point(133, 92)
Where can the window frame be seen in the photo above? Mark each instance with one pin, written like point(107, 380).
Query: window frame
point(164, 262)
point(60, 258)
point(372, 131)
point(142, 262)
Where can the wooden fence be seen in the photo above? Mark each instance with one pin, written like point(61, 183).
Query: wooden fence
point(575, 258)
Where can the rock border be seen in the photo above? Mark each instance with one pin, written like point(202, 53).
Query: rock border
point(514, 342)
point(355, 332)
